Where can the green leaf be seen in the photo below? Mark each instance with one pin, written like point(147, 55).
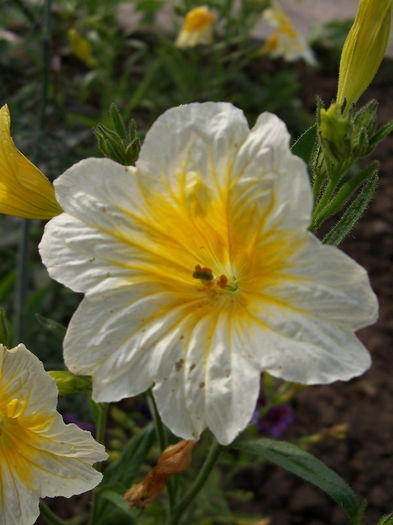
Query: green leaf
point(118, 122)
point(304, 146)
point(57, 329)
point(386, 520)
point(353, 213)
point(346, 191)
point(381, 134)
point(118, 500)
point(308, 467)
point(127, 466)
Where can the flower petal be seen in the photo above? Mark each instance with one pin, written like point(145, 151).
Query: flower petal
point(305, 349)
point(202, 138)
point(120, 334)
point(214, 385)
point(271, 179)
point(337, 291)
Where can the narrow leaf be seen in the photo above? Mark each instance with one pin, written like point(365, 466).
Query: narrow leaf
point(386, 520)
point(57, 329)
point(352, 214)
point(381, 134)
point(118, 122)
point(346, 191)
point(304, 146)
point(118, 500)
point(127, 466)
point(306, 466)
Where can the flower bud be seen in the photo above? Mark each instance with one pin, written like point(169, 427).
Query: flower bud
point(68, 383)
point(364, 49)
point(335, 129)
point(173, 460)
point(24, 190)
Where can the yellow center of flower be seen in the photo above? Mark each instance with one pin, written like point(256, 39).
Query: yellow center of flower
point(19, 437)
point(197, 19)
point(208, 246)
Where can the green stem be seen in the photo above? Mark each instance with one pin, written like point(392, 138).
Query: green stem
point(102, 415)
point(160, 432)
point(22, 282)
point(157, 421)
point(101, 425)
point(49, 515)
point(23, 260)
point(201, 479)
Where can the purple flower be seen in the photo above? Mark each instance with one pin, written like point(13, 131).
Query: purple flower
point(275, 421)
point(70, 418)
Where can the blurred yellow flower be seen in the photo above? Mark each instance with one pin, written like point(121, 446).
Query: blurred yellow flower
point(285, 42)
point(197, 28)
point(364, 49)
point(81, 48)
point(40, 455)
point(24, 190)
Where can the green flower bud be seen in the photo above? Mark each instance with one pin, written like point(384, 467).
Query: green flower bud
point(364, 49)
point(68, 383)
point(335, 129)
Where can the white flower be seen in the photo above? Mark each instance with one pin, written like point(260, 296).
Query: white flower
point(286, 42)
point(199, 272)
point(39, 455)
point(197, 28)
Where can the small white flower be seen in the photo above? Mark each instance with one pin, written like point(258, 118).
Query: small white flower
point(286, 42)
point(200, 272)
point(40, 456)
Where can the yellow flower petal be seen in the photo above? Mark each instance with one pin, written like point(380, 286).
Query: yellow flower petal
point(24, 190)
point(364, 49)
point(39, 455)
point(197, 28)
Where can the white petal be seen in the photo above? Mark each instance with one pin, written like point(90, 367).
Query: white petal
point(64, 464)
point(305, 349)
point(19, 372)
point(232, 385)
point(99, 192)
point(119, 334)
point(215, 385)
point(202, 138)
point(324, 282)
point(82, 256)
point(18, 503)
point(270, 179)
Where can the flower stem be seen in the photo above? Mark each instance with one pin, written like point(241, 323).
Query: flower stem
point(23, 260)
point(157, 421)
point(49, 515)
point(204, 473)
point(102, 414)
point(160, 432)
point(22, 281)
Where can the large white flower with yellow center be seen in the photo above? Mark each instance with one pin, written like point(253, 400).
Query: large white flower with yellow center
point(199, 272)
point(39, 455)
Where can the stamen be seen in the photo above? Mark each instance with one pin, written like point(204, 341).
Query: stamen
point(204, 273)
